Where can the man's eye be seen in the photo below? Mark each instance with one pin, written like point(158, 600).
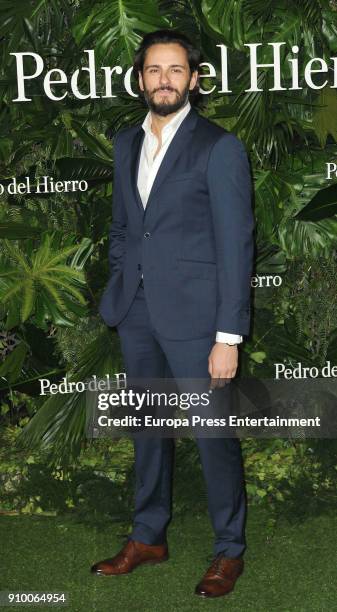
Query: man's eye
point(153, 69)
point(176, 69)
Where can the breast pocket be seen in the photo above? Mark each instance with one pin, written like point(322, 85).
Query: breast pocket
point(185, 176)
point(190, 268)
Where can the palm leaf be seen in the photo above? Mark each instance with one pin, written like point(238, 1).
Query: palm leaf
point(28, 299)
point(322, 206)
point(91, 170)
point(42, 283)
point(114, 28)
point(12, 366)
point(17, 231)
point(59, 425)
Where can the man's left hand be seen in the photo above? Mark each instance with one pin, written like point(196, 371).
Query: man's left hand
point(222, 364)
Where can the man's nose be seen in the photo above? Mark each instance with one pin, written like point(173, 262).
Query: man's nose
point(164, 79)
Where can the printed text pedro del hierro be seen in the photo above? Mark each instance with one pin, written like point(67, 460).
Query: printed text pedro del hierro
point(57, 84)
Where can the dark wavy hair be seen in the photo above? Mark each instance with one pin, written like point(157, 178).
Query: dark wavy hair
point(164, 37)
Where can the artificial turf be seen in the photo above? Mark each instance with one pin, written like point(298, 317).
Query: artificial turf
point(290, 569)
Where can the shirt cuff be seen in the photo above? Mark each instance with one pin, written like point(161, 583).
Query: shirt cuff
point(225, 337)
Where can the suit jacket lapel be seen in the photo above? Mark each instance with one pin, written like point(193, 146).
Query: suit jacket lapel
point(135, 158)
point(176, 146)
point(178, 143)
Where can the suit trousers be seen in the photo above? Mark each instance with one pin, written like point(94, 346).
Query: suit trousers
point(147, 354)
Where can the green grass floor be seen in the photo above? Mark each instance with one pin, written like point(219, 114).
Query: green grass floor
point(292, 568)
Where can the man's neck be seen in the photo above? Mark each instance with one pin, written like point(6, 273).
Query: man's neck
point(158, 122)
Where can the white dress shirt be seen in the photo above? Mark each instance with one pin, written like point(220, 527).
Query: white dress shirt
point(149, 166)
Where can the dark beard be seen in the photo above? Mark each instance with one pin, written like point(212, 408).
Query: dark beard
point(167, 108)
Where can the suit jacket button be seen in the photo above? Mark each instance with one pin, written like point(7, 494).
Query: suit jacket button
point(147, 235)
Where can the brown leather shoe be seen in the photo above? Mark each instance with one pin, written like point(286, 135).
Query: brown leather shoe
point(132, 554)
point(220, 577)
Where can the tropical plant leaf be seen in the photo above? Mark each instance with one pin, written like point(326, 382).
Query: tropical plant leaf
point(270, 260)
point(17, 231)
point(96, 144)
point(92, 170)
point(304, 238)
point(325, 117)
point(322, 206)
point(115, 28)
point(60, 423)
point(272, 192)
point(41, 280)
point(227, 19)
point(12, 366)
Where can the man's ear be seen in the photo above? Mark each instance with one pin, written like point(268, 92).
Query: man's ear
point(140, 81)
point(194, 79)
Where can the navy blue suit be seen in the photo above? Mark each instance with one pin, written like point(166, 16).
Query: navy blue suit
point(194, 246)
point(193, 243)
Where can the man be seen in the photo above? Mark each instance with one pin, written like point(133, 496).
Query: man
point(181, 249)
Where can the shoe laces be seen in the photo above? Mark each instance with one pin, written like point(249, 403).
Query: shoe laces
point(217, 566)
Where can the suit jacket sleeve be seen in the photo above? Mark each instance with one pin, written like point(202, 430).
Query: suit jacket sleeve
point(229, 184)
point(119, 217)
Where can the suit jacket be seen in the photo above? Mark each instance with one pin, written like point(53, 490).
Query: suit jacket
point(194, 241)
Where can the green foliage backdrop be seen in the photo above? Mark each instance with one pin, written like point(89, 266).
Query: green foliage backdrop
point(53, 256)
